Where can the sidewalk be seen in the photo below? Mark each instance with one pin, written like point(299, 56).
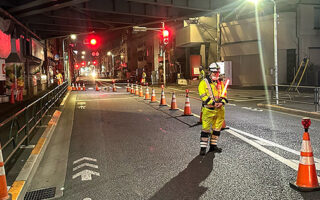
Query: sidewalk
point(7, 109)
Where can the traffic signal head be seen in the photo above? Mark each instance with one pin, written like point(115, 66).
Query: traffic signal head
point(94, 62)
point(93, 41)
point(165, 36)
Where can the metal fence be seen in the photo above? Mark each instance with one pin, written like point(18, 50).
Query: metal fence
point(308, 95)
point(16, 130)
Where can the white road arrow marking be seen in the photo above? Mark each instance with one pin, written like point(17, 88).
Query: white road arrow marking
point(86, 175)
point(85, 165)
point(84, 158)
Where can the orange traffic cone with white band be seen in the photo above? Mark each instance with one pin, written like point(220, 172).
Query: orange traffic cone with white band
point(79, 87)
point(83, 87)
point(174, 102)
point(3, 182)
point(141, 92)
point(128, 86)
point(187, 108)
point(147, 96)
point(132, 89)
point(153, 96)
point(137, 90)
point(307, 179)
point(97, 88)
point(73, 87)
point(114, 89)
point(163, 98)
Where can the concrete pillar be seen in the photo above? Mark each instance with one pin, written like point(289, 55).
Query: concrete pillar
point(203, 54)
point(188, 71)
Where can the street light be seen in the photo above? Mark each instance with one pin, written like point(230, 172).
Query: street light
point(73, 36)
point(83, 53)
point(112, 60)
point(275, 44)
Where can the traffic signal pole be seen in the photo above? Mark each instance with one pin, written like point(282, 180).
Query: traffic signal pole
point(164, 60)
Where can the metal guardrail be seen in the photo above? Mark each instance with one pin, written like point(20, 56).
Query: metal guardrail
point(299, 94)
point(21, 124)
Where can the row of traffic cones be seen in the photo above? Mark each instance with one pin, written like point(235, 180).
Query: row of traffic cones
point(78, 87)
point(139, 92)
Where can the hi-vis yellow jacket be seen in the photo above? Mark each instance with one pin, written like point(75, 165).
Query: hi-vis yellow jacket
point(217, 88)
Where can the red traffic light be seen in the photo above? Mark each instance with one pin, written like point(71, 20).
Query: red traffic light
point(76, 66)
point(93, 41)
point(83, 63)
point(95, 62)
point(165, 33)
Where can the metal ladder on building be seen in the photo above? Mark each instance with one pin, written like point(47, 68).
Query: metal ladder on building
point(305, 61)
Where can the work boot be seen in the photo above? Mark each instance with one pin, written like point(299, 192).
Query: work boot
point(203, 151)
point(215, 149)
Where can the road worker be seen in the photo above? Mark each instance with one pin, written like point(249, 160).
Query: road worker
point(59, 78)
point(213, 100)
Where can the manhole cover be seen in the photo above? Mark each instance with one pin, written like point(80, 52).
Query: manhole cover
point(41, 194)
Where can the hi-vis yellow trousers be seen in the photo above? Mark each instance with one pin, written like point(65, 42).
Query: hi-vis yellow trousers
point(212, 119)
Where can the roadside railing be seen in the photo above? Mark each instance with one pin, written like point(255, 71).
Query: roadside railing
point(298, 94)
point(16, 130)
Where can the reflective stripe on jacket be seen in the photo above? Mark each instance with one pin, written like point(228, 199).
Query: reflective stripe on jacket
point(217, 88)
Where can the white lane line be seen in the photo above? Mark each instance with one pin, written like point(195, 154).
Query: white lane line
point(283, 160)
point(252, 109)
point(231, 104)
point(271, 143)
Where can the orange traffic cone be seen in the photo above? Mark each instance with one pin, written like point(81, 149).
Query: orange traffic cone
point(21, 95)
point(147, 96)
point(307, 179)
point(114, 89)
point(128, 86)
point(12, 96)
point(174, 102)
point(79, 88)
point(3, 182)
point(132, 89)
point(137, 90)
point(141, 92)
point(153, 96)
point(83, 87)
point(187, 108)
point(163, 98)
point(97, 88)
point(73, 87)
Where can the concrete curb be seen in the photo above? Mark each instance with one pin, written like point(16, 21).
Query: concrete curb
point(315, 115)
point(23, 181)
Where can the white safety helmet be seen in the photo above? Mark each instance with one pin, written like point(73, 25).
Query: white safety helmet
point(214, 67)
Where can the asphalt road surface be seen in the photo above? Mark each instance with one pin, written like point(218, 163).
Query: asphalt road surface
point(123, 147)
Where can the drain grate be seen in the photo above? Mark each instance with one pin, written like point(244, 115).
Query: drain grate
point(41, 194)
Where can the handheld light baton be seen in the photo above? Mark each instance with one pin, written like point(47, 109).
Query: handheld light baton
point(225, 88)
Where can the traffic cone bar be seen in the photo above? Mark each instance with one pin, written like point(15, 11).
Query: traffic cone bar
point(163, 98)
point(187, 108)
point(3, 181)
point(174, 102)
point(153, 96)
point(307, 179)
point(147, 96)
point(141, 92)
